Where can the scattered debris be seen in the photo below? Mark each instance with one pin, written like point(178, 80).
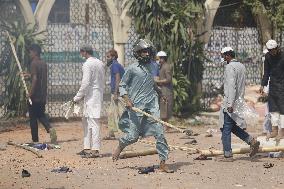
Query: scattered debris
point(42, 146)
point(62, 170)
point(210, 132)
point(238, 185)
point(26, 148)
point(25, 173)
point(193, 142)
point(146, 170)
point(276, 154)
point(3, 147)
point(202, 157)
point(268, 165)
point(188, 132)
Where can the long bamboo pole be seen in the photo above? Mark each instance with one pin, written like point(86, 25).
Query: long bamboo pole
point(19, 66)
point(210, 153)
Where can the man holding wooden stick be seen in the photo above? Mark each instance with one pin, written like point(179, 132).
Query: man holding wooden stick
point(38, 95)
point(231, 115)
point(137, 87)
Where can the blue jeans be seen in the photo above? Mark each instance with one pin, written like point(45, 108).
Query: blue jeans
point(229, 127)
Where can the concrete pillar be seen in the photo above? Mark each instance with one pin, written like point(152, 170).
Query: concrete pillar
point(121, 23)
point(206, 23)
point(119, 47)
point(42, 12)
point(264, 24)
point(27, 11)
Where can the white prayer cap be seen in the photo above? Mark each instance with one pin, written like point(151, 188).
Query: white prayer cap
point(271, 44)
point(226, 49)
point(161, 53)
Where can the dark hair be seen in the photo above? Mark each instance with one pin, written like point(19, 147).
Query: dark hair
point(36, 48)
point(230, 53)
point(113, 53)
point(90, 52)
point(87, 48)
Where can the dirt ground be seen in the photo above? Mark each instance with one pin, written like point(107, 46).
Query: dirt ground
point(103, 173)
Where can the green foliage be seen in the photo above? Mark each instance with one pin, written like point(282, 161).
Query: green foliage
point(273, 8)
point(23, 36)
point(181, 84)
point(171, 26)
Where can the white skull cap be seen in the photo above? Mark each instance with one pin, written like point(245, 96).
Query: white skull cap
point(271, 44)
point(161, 53)
point(226, 49)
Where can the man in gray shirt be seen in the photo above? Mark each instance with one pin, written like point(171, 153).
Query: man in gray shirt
point(232, 119)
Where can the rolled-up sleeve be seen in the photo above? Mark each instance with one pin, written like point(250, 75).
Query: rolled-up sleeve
point(124, 82)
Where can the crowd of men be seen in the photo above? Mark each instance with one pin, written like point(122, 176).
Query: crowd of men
point(147, 85)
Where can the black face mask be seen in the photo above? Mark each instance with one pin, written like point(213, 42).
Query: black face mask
point(109, 62)
point(144, 60)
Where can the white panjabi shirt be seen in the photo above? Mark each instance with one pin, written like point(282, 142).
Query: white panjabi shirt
point(92, 87)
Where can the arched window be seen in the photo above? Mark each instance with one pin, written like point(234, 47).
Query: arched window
point(60, 12)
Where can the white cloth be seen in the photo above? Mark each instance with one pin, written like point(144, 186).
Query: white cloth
point(234, 91)
point(69, 108)
point(92, 87)
point(91, 128)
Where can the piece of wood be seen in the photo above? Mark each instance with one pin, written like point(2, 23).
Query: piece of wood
point(210, 153)
point(130, 154)
point(172, 147)
point(19, 66)
point(154, 118)
point(157, 119)
point(26, 148)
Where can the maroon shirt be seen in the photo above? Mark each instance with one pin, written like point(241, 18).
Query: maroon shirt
point(39, 86)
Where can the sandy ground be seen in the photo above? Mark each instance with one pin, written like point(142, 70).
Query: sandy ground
point(103, 173)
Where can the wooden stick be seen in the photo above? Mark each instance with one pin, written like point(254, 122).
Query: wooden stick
point(26, 148)
point(19, 66)
point(130, 154)
point(210, 153)
point(157, 119)
point(154, 118)
point(182, 148)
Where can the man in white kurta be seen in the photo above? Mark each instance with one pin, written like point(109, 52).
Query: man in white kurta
point(91, 92)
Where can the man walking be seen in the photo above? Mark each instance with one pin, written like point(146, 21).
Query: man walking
point(38, 95)
point(231, 117)
point(137, 88)
point(91, 92)
point(115, 109)
point(273, 72)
